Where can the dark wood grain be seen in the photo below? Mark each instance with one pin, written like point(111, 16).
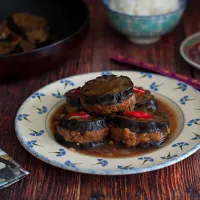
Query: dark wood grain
point(180, 181)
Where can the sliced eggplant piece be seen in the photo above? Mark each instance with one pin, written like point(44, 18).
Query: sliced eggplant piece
point(108, 94)
point(107, 90)
point(73, 97)
point(145, 100)
point(82, 124)
point(158, 123)
point(82, 131)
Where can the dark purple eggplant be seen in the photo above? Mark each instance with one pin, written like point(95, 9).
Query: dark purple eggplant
point(75, 145)
point(107, 90)
point(82, 124)
point(158, 123)
point(73, 98)
point(146, 101)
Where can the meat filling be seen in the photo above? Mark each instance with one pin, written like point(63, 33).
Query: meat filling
point(132, 139)
point(87, 137)
point(126, 105)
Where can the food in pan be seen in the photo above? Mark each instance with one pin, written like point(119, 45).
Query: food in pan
point(23, 32)
point(109, 115)
point(140, 128)
point(28, 22)
point(81, 130)
point(73, 103)
point(144, 99)
point(6, 47)
point(108, 94)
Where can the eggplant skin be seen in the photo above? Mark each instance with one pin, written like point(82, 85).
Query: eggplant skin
point(93, 92)
point(143, 126)
point(76, 145)
point(72, 99)
point(82, 125)
point(148, 102)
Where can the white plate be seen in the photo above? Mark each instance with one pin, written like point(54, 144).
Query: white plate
point(32, 127)
point(186, 45)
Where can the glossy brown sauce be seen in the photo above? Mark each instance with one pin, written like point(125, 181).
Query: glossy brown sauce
point(114, 150)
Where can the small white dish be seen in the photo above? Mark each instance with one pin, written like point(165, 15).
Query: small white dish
point(32, 127)
point(190, 50)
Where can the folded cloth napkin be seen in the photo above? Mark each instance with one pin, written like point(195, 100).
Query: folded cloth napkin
point(131, 61)
point(10, 171)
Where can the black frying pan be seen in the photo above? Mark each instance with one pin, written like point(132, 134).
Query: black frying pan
point(68, 22)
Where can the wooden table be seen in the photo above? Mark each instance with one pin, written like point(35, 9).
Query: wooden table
point(180, 181)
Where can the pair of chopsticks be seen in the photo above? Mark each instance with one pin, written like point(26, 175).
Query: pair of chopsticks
point(131, 61)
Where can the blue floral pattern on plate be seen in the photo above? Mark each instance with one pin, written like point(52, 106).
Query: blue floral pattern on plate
point(169, 156)
point(197, 137)
point(125, 167)
point(69, 164)
point(41, 110)
point(155, 87)
point(180, 144)
point(36, 133)
point(38, 95)
point(181, 86)
point(185, 99)
point(146, 159)
point(32, 143)
point(146, 74)
point(20, 117)
point(60, 152)
point(58, 95)
point(67, 82)
point(194, 122)
point(101, 162)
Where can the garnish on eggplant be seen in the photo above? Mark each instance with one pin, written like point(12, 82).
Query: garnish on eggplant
point(108, 94)
point(81, 129)
point(138, 129)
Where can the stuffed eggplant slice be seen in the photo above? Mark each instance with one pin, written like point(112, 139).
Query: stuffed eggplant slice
point(73, 103)
point(144, 99)
point(139, 128)
point(108, 94)
point(81, 130)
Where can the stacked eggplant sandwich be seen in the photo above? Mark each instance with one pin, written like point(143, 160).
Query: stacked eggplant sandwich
point(111, 108)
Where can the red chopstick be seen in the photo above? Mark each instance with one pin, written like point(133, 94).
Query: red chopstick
point(131, 61)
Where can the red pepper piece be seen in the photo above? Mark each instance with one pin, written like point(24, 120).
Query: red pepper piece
point(137, 90)
point(77, 91)
point(138, 114)
point(76, 114)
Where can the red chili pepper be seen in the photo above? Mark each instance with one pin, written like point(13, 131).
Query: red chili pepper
point(138, 114)
point(137, 90)
point(75, 114)
point(77, 91)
